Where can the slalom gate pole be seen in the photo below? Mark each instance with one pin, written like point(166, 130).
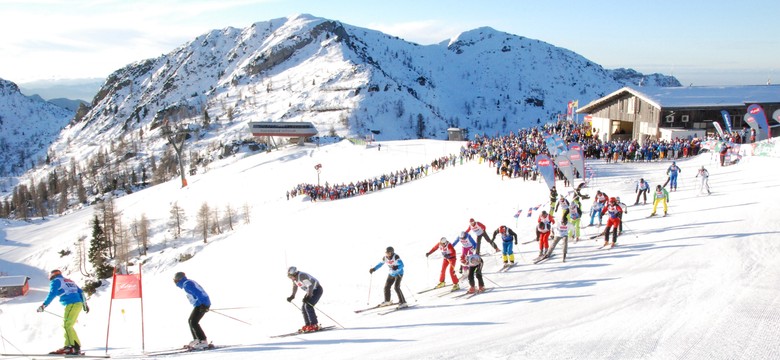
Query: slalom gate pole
point(230, 317)
point(370, 280)
point(326, 315)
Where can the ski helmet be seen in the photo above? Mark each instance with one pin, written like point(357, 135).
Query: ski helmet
point(472, 220)
point(179, 275)
point(54, 273)
point(544, 212)
point(642, 180)
point(390, 250)
point(474, 260)
point(612, 200)
point(292, 271)
point(462, 234)
point(502, 229)
point(443, 241)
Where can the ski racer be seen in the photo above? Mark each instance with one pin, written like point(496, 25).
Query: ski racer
point(313, 290)
point(72, 297)
point(508, 236)
point(396, 274)
point(448, 259)
point(201, 303)
point(613, 223)
point(479, 230)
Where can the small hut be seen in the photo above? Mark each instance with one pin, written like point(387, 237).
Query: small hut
point(13, 286)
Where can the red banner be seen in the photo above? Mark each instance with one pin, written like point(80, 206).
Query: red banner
point(126, 287)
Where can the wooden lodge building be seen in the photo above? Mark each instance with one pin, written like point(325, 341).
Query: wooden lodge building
point(649, 113)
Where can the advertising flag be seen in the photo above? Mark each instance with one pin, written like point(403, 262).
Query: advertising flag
point(564, 164)
point(719, 129)
point(545, 166)
point(757, 112)
point(577, 157)
point(726, 120)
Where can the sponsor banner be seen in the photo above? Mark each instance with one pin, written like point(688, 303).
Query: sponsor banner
point(545, 166)
point(757, 112)
point(577, 157)
point(564, 164)
point(719, 129)
point(726, 120)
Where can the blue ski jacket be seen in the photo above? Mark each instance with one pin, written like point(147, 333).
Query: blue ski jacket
point(195, 293)
point(66, 289)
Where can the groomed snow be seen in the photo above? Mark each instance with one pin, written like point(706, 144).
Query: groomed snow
point(699, 284)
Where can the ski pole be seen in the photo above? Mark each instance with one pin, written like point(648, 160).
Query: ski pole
point(9, 343)
point(488, 279)
point(326, 315)
point(229, 317)
point(370, 279)
point(235, 308)
point(49, 312)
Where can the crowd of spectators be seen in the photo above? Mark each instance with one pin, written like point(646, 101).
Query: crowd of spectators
point(514, 155)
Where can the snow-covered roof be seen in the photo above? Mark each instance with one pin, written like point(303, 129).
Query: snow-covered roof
point(12, 280)
point(697, 96)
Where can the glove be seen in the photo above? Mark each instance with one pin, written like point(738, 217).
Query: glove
point(86, 308)
point(371, 270)
point(427, 254)
point(290, 298)
point(41, 308)
point(515, 242)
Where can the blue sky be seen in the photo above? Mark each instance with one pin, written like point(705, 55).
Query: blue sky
point(699, 42)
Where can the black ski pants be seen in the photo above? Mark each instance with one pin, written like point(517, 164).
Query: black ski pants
point(389, 283)
point(194, 321)
point(476, 271)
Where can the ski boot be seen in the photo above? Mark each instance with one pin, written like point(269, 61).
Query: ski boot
point(471, 290)
point(403, 305)
point(455, 287)
point(481, 289)
point(441, 285)
point(66, 350)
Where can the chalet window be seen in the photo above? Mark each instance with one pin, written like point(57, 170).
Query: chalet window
point(684, 118)
point(670, 118)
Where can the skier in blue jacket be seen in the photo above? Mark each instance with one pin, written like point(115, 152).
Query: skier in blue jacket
point(672, 171)
point(642, 188)
point(201, 303)
point(395, 276)
point(72, 297)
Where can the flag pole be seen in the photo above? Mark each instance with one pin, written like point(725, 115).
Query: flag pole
point(141, 296)
point(110, 306)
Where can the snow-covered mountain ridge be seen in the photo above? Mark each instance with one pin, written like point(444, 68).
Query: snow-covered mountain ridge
point(348, 81)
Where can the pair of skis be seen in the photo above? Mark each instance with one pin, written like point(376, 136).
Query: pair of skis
point(324, 328)
point(471, 295)
point(55, 356)
point(542, 258)
point(506, 267)
point(391, 308)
